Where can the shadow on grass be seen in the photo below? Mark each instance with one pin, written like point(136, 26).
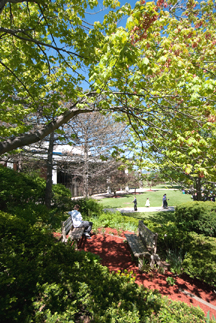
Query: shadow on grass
point(170, 187)
point(157, 217)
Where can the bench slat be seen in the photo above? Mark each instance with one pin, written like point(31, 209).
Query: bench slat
point(136, 245)
point(77, 233)
point(145, 244)
point(148, 237)
point(67, 225)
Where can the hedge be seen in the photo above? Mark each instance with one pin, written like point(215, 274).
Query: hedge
point(199, 217)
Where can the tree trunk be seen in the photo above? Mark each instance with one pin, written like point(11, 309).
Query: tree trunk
point(198, 189)
point(48, 191)
point(86, 171)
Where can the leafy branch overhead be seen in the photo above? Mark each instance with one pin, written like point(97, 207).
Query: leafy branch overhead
point(46, 51)
point(167, 83)
point(157, 73)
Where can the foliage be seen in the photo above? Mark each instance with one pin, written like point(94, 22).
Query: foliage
point(175, 259)
point(171, 281)
point(190, 252)
point(151, 179)
point(23, 195)
point(208, 320)
point(200, 258)
point(88, 207)
point(175, 312)
point(197, 216)
point(42, 280)
point(61, 197)
point(175, 45)
point(144, 265)
point(17, 189)
point(47, 50)
point(163, 83)
point(114, 220)
point(169, 236)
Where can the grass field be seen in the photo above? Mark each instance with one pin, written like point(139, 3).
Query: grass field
point(175, 198)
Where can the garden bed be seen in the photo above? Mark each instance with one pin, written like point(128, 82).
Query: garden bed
point(111, 246)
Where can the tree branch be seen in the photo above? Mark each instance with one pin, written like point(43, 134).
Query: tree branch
point(38, 134)
point(15, 34)
point(3, 3)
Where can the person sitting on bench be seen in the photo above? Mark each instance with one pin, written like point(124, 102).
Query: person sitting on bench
point(78, 221)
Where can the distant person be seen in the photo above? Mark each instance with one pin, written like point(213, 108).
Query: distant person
point(135, 204)
point(147, 202)
point(213, 198)
point(79, 223)
point(165, 201)
point(195, 197)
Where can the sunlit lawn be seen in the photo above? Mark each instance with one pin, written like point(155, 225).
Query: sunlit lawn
point(155, 196)
point(158, 217)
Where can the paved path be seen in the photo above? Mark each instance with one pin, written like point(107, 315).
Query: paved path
point(142, 209)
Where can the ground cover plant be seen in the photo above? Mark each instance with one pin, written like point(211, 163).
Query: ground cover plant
point(46, 281)
point(185, 250)
point(114, 220)
point(197, 216)
point(155, 196)
point(42, 280)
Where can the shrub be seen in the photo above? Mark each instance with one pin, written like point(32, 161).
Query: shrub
point(61, 197)
point(200, 258)
point(18, 189)
point(88, 207)
point(116, 221)
point(32, 213)
point(45, 281)
point(169, 237)
point(175, 312)
point(199, 217)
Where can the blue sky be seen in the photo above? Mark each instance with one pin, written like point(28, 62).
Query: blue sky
point(99, 12)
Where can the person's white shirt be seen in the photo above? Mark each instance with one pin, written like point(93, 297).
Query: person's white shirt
point(76, 218)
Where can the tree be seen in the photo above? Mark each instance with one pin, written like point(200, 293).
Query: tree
point(101, 140)
point(171, 71)
point(96, 142)
point(47, 49)
point(157, 73)
point(151, 179)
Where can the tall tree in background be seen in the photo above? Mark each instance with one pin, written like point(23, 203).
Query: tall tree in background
point(101, 140)
point(96, 143)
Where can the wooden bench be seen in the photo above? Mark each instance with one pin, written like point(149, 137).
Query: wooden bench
point(144, 245)
point(75, 234)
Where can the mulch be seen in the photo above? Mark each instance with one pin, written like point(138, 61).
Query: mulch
point(114, 252)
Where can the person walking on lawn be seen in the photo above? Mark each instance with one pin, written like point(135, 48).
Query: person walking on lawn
point(135, 204)
point(78, 221)
point(164, 201)
point(147, 202)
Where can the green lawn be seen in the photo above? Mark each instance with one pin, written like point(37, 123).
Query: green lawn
point(157, 217)
point(175, 198)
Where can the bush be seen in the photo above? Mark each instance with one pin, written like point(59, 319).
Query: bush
point(61, 197)
point(199, 217)
point(175, 312)
point(45, 281)
point(88, 207)
point(17, 189)
point(169, 237)
point(116, 221)
point(200, 258)
point(32, 213)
